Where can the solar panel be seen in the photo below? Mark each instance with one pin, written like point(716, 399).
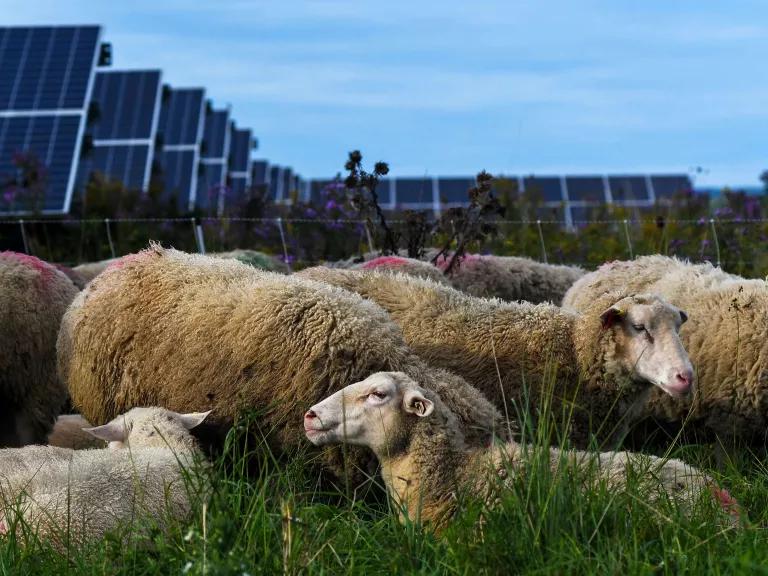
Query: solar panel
point(550, 188)
point(260, 172)
point(384, 191)
point(414, 193)
point(665, 187)
point(585, 188)
point(211, 184)
point(182, 116)
point(46, 75)
point(275, 183)
point(128, 104)
point(454, 190)
point(627, 189)
point(240, 163)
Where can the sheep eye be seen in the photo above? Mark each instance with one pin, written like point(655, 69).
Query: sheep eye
point(378, 395)
point(638, 327)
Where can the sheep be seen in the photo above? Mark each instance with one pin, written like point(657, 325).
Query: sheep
point(79, 495)
point(255, 259)
point(725, 339)
point(409, 266)
point(425, 461)
point(194, 333)
point(69, 432)
point(33, 298)
point(511, 278)
point(90, 270)
point(601, 364)
point(76, 278)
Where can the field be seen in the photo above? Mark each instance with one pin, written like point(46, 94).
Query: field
point(271, 515)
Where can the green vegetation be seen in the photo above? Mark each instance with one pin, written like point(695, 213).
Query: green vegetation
point(271, 515)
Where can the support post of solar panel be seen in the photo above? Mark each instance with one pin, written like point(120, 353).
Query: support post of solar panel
point(714, 237)
point(279, 222)
point(541, 239)
point(197, 230)
point(109, 238)
point(368, 236)
point(629, 240)
point(24, 239)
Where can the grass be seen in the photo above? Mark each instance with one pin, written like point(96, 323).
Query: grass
point(283, 517)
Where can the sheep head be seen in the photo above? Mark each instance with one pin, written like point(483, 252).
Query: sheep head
point(149, 427)
point(377, 412)
point(646, 330)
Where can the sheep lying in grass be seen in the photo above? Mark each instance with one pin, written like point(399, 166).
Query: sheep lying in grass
point(604, 360)
point(511, 278)
point(726, 339)
point(73, 495)
point(192, 333)
point(33, 298)
point(425, 461)
point(409, 266)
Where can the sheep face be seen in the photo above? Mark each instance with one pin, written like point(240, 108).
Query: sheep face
point(646, 332)
point(377, 412)
point(148, 427)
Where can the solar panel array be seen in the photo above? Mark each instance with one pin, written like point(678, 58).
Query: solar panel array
point(214, 158)
point(566, 198)
point(123, 132)
point(46, 77)
point(182, 119)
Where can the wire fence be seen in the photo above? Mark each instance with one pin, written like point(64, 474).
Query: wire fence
point(736, 243)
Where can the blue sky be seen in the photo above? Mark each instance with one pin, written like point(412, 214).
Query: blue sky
point(449, 88)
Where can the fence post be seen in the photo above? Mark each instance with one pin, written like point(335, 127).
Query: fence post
point(371, 247)
point(629, 240)
point(24, 236)
point(541, 239)
point(282, 239)
point(714, 237)
point(109, 238)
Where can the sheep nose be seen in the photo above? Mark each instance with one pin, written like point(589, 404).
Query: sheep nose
point(684, 379)
point(310, 415)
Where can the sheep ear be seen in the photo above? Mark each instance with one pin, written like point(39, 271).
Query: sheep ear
point(414, 402)
point(611, 317)
point(193, 419)
point(683, 317)
point(114, 431)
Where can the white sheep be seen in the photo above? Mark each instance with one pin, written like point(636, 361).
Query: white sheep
point(726, 339)
point(75, 495)
point(425, 461)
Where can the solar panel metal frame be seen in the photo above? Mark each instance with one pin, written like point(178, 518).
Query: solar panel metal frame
point(82, 112)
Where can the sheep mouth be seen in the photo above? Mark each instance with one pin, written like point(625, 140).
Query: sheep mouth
point(677, 391)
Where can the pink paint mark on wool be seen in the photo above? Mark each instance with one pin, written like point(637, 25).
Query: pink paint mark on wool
point(443, 261)
point(385, 262)
point(45, 270)
point(123, 260)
